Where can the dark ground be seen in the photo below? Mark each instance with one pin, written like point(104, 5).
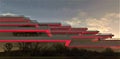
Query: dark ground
point(59, 52)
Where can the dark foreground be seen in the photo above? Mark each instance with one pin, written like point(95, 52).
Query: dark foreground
point(73, 54)
point(59, 52)
point(93, 57)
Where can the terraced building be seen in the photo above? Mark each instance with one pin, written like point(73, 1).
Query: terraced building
point(22, 29)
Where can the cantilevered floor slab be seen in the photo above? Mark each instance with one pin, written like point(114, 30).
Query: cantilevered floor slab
point(17, 23)
point(90, 43)
point(36, 38)
point(24, 28)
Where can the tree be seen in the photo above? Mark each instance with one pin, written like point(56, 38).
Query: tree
point(28, 46)
point(108, 52)
point(61, 49)
point(8, 47)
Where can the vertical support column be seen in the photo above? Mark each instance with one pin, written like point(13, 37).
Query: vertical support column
point(95, 40)
point(49, 33)
point(36, 25)
point(67, 44)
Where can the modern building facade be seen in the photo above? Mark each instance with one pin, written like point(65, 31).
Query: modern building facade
point(22, 29)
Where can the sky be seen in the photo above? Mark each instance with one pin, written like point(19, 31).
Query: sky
point(102, 15)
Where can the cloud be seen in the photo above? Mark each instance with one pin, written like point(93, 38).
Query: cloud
point(108, 23)
point(101, 24)
point(8, 14)
point(74, 22)
point(78, 20)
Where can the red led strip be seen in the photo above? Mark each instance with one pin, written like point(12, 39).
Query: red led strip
point(46, 31)
point(67, 42)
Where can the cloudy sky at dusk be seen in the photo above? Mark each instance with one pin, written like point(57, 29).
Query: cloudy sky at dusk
point(100, 15)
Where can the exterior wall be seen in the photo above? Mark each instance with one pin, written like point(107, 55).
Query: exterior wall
point(6, 34)
point(23, 29)
point(13, 19)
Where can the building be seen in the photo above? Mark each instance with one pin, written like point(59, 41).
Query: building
point(22, 29)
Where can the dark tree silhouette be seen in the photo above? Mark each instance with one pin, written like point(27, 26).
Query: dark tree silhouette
point(61, 49)
point(108, 52)
point(29, 46)
point(8, 47)
point(34, 49)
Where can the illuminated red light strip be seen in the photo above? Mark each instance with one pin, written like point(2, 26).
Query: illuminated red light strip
point(54, 24)
point(83, 37)
point(90, 32)
point(46, 31)
point(51, 25)
point(91, 46)
point(115, 47)
point(65, 31)
point(106, 36)
point(14, 21)
point(33, 40)
point(67, 42)
point(17, 24)
point(23, 30)
point(62, 27)
point(79, 29)
point(35, 25)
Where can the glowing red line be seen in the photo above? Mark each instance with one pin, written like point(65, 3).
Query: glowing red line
point(46, 31)
point(14, 24)
point(67, 42)
point(88, 46)
point(35, 25)
point(22, 30)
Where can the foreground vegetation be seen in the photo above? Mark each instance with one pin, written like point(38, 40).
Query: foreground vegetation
point(28, 50)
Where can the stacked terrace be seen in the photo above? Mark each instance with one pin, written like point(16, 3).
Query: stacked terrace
point(22, 29)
